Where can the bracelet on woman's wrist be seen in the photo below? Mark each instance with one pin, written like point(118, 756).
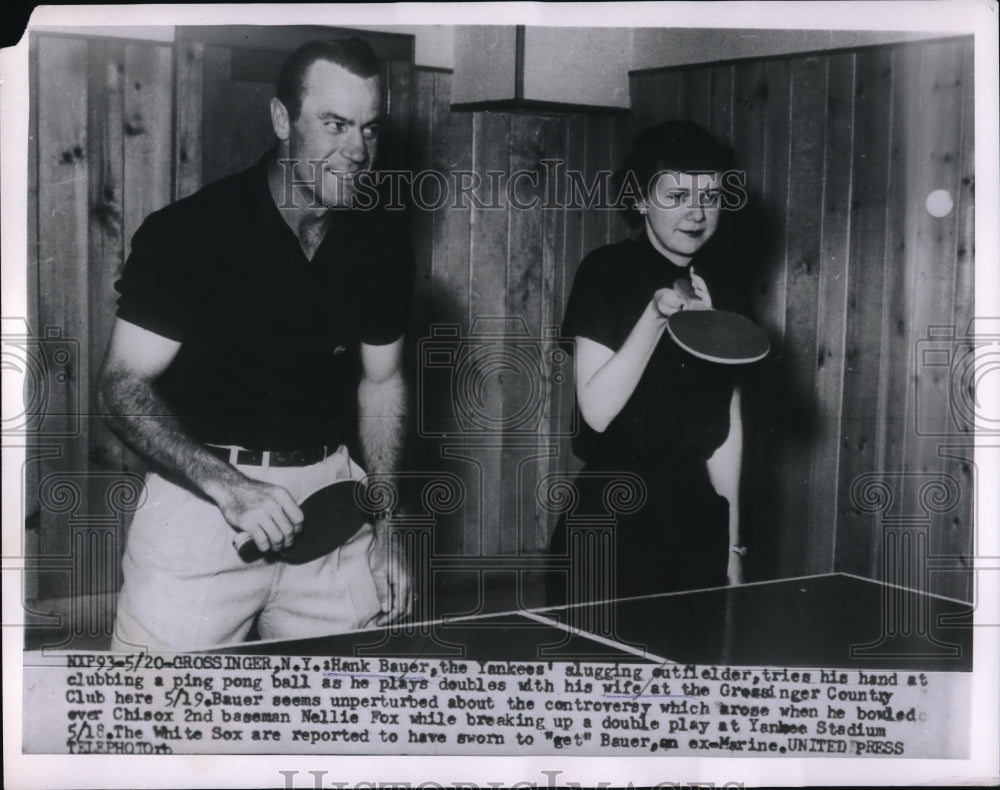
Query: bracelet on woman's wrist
point(740, 550)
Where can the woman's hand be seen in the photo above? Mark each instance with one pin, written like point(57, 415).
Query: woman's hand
point(702, 300)
point(668, 301)
point(684, 295)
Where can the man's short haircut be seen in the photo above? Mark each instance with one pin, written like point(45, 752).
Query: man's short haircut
point(682, 146)
point(354, 54)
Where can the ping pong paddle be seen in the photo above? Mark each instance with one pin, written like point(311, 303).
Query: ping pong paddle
point(718, 336)
point(330, 517)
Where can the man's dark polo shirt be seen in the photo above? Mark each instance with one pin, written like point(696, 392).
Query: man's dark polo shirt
point(269, 355)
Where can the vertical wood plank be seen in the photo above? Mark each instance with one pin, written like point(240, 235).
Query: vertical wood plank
point(721, 85)
point(148, 132)
point(832, 305)
point(400, 107)
point(771, 300)
point(572, 254)
point(618, 150)
point(639, 96)
point(32, 197)
point(423, 136)
point(489, 242)
point(596, 153)
point(448, 289)
point(31, 512)
point(554, 272)
point(669, 92)
point(62, 263)
point(766, 121)
point(574, 251)
point(106, 252)
point(488, 267)
point(147, 142)
point(802, 422)
point(907, 113)
point(748, 123)
point(958, 539)
point(452, 250)
point(216, 138)
point(236, 121)
point(866, 300)
point(965, 291)
point(697, 95)
point(524, 391)
point(938, 167)
point(189, 95)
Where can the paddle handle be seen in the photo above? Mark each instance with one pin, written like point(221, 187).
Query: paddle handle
point(246, 548)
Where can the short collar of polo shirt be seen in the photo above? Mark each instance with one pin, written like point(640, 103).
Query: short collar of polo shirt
point(264, 210)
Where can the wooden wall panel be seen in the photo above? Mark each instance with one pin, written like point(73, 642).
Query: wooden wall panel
point(552, 282)
point(959, 537)
point(236, 121)
point(774, 192)
point(449, 299)
point(497, 261)
point(489, 259)
point(524, 391)
point(831, 308)
point(841, 151)
point(424, 134)
point(148, 139)
point(720, 100)
point(863, 420)
point(933, 292)
point(63, 222)
point(807, 162)
point(31, 471)
point(189, 91)
point(696, 90)
point(400, 97)
point(573, 221)
point(106, 252)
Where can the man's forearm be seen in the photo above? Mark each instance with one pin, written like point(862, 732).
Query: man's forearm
point(382, 409)
point(143, 421)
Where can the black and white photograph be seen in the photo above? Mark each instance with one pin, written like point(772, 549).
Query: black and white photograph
point(498, 395)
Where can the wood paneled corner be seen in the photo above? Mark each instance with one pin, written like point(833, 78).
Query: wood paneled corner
point(841, 152)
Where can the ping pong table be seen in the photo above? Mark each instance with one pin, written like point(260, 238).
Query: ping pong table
point(833, 620)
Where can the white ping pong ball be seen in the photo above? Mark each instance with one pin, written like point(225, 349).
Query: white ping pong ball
point(939, 203)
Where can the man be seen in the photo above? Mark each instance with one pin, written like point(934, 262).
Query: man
point(259, 330)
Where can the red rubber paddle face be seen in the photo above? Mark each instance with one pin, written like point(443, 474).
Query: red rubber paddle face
point(718, 336)
point(331, 516)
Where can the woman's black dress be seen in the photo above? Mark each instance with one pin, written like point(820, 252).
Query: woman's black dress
point(657, 446)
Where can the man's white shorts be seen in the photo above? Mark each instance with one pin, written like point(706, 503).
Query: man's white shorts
point(185, 587)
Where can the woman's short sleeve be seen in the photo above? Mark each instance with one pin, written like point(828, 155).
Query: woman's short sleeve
point(594, 307)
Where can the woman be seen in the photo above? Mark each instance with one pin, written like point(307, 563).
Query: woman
point(651, 413)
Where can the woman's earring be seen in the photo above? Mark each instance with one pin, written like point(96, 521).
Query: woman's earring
point(643, 210)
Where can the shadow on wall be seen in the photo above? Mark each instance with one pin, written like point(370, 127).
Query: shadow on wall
point(432, 398)
point(780, 417)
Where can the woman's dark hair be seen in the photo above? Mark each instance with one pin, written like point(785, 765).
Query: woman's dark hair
point(353, 54)
point(682, 146)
